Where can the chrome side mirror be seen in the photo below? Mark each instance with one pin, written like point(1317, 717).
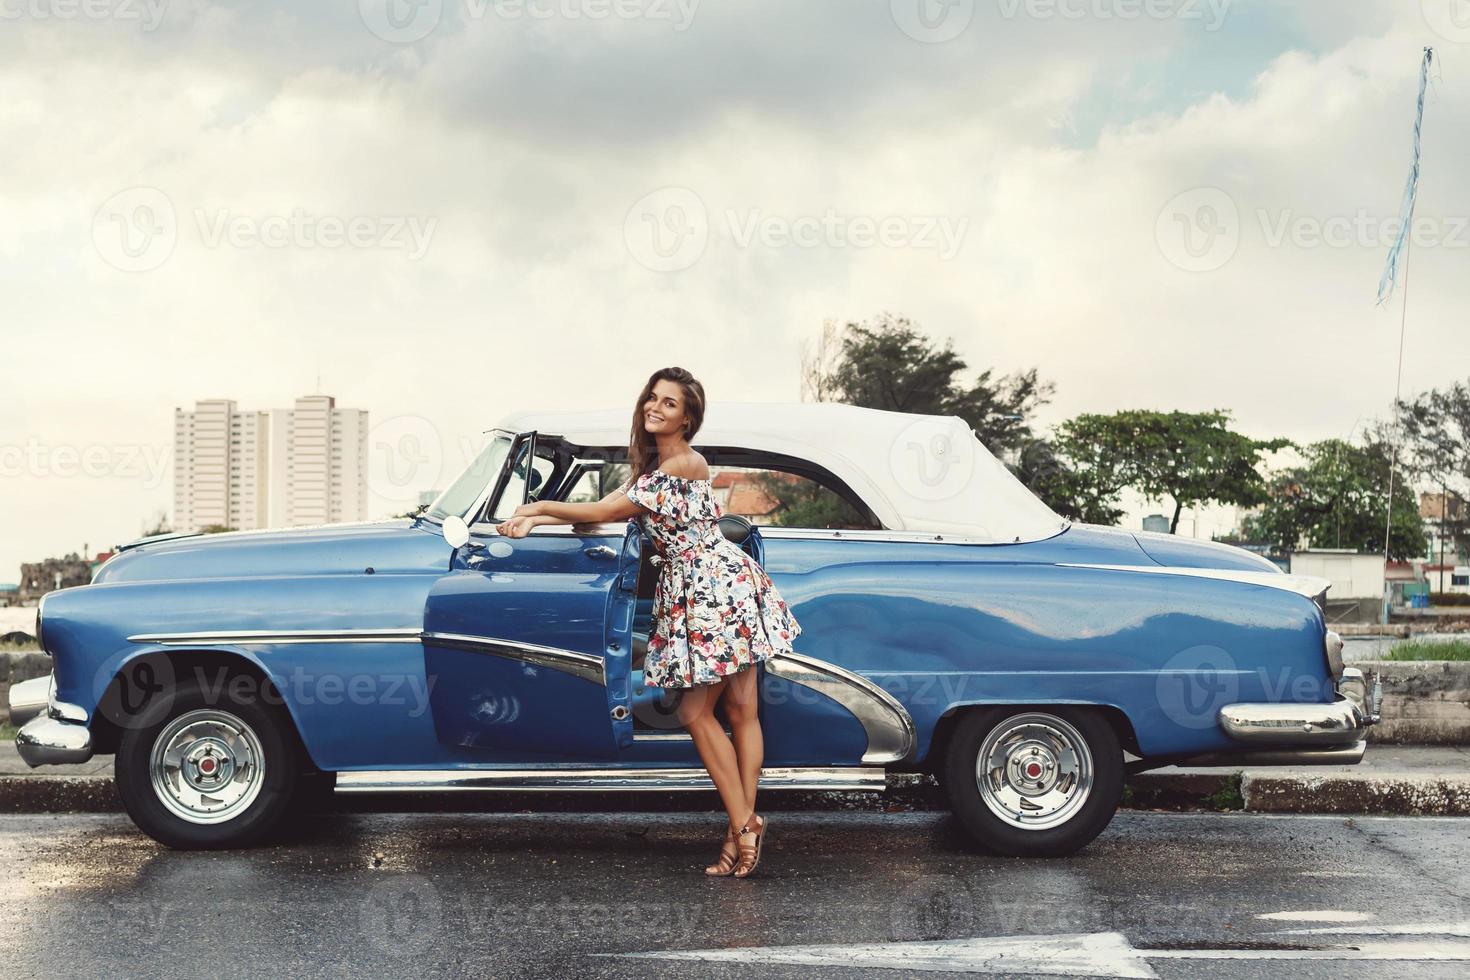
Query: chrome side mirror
point(456, 531)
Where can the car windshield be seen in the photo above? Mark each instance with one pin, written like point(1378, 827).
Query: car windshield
point(466, 489)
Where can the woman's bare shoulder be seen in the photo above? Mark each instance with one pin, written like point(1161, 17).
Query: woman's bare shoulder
point(688, 466)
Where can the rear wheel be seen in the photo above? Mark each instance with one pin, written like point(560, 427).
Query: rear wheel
point(207, 772)
point(1034, 783)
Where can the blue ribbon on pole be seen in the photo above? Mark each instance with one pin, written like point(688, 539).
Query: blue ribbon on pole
point(1411, 191)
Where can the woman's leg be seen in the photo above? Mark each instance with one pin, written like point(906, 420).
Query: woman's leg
point(742, 695)
point(696, 714)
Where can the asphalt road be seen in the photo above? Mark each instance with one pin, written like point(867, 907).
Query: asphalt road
point(876, 895)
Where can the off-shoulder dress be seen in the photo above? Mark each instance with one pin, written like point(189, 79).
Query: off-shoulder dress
point(715, 610)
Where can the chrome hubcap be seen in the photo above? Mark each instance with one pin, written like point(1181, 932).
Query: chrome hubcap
point(1034, 771)
point(207, 766)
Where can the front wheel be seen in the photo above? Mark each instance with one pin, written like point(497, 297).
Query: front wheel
point(1034, 783)
point(206, 772)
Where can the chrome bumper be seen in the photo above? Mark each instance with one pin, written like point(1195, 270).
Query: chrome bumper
point(1342, 723)
point(28, 700)
point(57, 737)
point(51, 741)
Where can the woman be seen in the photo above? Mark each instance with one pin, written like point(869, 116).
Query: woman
point(716, 613)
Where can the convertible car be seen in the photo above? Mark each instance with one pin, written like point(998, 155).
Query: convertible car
point(952, 624)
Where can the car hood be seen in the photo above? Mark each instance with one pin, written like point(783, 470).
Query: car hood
point(401, 545)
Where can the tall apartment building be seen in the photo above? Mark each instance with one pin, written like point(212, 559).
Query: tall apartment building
point(318, 463)
point(219, 466)
point(283, 468)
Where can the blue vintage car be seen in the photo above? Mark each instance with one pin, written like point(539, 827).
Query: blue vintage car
point(952, 624)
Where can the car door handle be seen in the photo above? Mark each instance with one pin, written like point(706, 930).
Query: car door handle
point(599, 551)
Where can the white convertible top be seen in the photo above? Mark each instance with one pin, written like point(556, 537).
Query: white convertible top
point(916, 472)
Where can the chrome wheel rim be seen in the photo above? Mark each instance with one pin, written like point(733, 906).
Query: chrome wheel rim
point(1034, 771)
point(207, 766)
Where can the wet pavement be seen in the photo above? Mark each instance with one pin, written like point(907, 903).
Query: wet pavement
point(862, 894)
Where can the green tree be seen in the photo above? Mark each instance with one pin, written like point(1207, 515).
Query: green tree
point(806, 503)
point(1337, 498)
point(1190, 457)
point(1435, 449)
point(890, 364)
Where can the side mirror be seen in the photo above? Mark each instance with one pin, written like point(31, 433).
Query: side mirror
point(456, 531)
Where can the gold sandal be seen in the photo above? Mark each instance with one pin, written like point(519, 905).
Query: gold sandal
point(728, 856)
point(750, 854)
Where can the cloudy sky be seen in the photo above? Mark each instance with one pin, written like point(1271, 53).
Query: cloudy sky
point(445, 210)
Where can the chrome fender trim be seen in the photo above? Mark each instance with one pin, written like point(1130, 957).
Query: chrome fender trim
point(1303, 585)
point(583, 665)
point(405, 634)
point(889, 727)
point(597, 780)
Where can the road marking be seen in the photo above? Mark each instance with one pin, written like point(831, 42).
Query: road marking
point(1317, 915)
point(1100, 954)
point(1459, 929)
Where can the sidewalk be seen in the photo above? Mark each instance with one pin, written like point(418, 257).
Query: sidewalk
point(1392, 779)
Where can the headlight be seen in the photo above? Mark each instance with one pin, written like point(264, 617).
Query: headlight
point(1333, 644)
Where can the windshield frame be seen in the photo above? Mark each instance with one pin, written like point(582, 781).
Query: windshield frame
point(499, 435)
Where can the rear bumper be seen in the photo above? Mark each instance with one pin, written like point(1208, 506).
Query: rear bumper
point(1306, 734)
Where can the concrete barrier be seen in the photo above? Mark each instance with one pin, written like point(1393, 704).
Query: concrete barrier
point(1425, 702)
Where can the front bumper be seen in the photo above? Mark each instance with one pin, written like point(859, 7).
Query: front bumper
point(1343, 722)
point(60, 736)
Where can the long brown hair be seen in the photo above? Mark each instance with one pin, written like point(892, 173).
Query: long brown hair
point(642, 446)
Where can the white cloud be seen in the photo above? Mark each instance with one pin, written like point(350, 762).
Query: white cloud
point(527, 144)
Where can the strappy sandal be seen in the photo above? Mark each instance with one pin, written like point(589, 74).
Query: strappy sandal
point(750, 853)
point(728, 856)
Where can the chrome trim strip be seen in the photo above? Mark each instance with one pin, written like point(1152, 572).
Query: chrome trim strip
point(28, 699)
point(882, 534)
point(395, 634)
point(47, 742)
point(889, 727)
point(1340, 755)
point(1305, 585)
point(598, 780)
point(583, 665)
point(617, 529)
point(1295, 724)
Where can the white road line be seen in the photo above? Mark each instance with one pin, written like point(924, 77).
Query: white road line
point(1460, 929)
point(1317, 915)
point(1101, 954)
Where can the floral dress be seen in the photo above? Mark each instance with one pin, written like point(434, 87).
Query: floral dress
point(715, 610)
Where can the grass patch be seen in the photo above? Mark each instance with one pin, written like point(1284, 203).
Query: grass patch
point(7, 732)
point(1428, 650)
point(1229, 795)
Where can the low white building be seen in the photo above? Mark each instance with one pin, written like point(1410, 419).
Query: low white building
point(1353, 576)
